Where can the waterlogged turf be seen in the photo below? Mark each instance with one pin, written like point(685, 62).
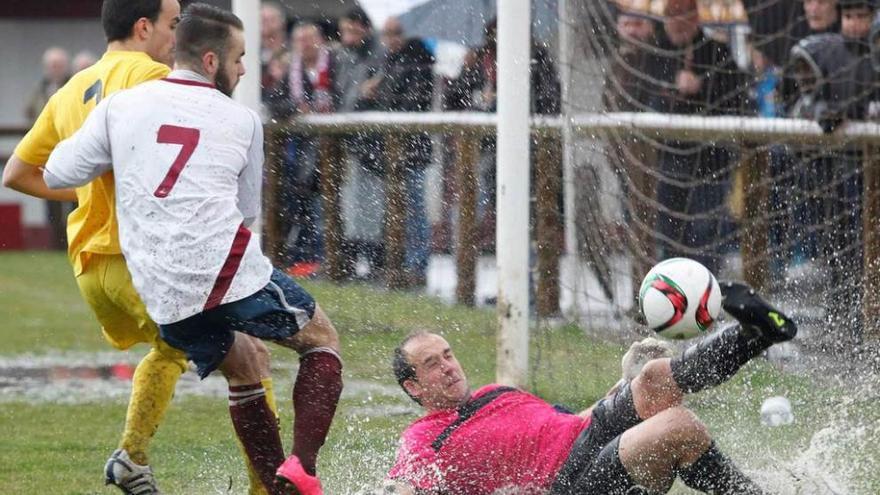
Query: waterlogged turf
point(51, 443)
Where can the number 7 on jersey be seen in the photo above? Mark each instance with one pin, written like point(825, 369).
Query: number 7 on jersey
point(188, 139)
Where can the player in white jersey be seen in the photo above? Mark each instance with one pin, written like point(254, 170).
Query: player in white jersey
point(187, 161)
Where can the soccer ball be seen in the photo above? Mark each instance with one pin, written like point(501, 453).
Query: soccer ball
point(679, 298)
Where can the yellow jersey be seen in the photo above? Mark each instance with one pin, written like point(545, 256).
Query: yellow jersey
point(91, 227)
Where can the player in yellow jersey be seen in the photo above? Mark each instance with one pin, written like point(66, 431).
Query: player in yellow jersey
point(140, 37)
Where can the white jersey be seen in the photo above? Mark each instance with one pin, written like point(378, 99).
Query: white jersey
point(187, 162)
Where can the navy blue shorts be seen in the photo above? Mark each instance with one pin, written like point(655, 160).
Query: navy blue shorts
point(276, 312)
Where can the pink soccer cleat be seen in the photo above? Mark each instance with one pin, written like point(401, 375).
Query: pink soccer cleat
point(294, 480)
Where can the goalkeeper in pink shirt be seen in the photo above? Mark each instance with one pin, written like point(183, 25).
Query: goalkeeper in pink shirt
point(637, 440)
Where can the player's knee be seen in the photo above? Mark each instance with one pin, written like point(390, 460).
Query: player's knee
point(332, 342)
point(261, 356)
point(657, 374)
point(654, 388)
point(684, 431)
point(684, 422)
point(180, 362)
point(169, 354)
point(328, 340)
point(318, 333)
point(241, 364)
point(238, 372)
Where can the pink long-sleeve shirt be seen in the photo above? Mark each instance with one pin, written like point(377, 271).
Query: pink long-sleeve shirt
point(517, 440)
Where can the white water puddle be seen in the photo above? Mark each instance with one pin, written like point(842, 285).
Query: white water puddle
point(811, 472)
point(80, 378)
point(840, 458)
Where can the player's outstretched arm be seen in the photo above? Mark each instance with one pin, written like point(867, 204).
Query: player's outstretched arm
point(27, 178)
point(68, 168)
point(81, 158)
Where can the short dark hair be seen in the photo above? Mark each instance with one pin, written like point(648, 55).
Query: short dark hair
point(403, 369)
point(119, 16)
point(856, 4)
point(358, 15)
point(204, 28)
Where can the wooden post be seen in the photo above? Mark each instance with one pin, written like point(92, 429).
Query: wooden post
point(331, 166)
point(273, 241)
point(548, 159)
point(871, 239)
point(395, 211)
point(466, 252)
point(754, 242)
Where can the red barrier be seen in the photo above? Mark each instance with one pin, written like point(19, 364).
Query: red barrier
point(11, 231)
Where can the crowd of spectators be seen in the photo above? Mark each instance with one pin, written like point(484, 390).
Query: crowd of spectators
point(807, 59)
point(353, 67)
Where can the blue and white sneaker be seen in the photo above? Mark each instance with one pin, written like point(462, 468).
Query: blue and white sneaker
point(131, 478)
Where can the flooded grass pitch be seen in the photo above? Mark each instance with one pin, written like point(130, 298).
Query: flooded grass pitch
point(835, 455)
point(63, 396)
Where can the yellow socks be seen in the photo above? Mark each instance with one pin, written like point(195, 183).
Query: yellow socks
point(270, 395)
point(152, 389)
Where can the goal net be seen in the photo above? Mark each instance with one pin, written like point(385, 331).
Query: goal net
point(787, 215)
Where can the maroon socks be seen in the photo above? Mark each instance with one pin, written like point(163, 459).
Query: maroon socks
point(315, 396)
point(257, 430)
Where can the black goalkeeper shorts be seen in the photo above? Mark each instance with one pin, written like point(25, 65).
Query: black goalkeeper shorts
point(610, 418)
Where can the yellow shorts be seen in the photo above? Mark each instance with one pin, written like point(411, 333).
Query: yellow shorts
point(106, 286)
